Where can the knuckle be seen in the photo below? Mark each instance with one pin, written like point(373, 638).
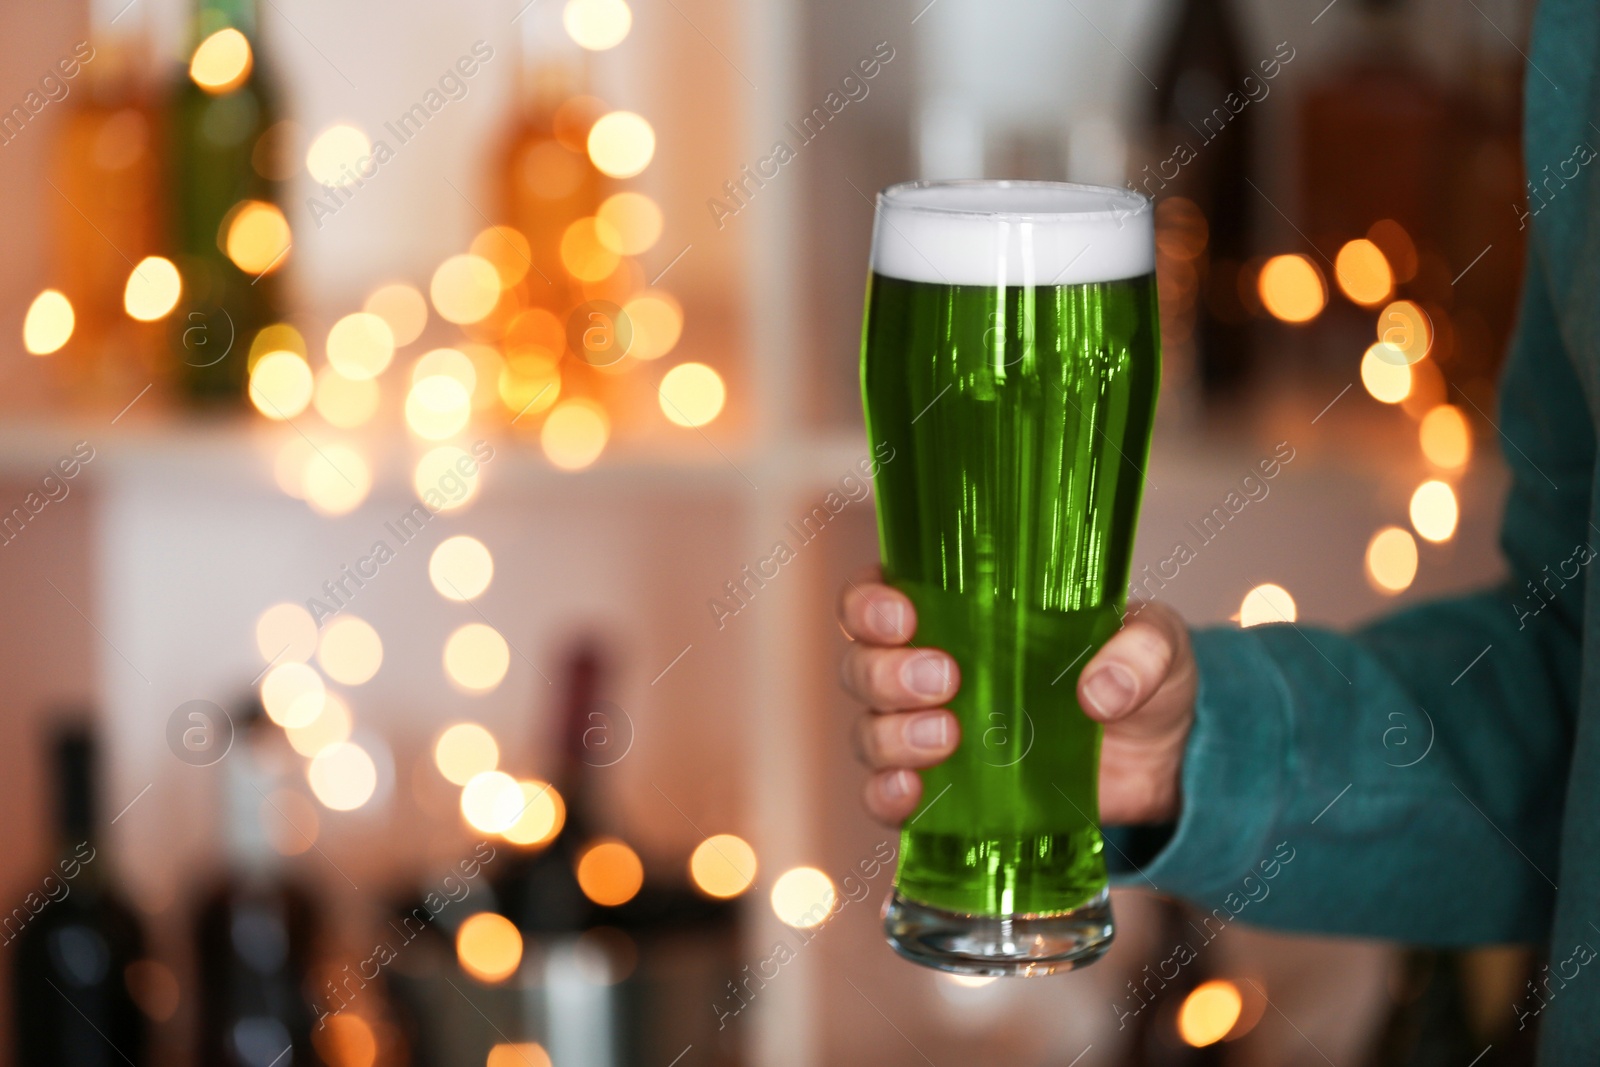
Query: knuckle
point(1148, 647)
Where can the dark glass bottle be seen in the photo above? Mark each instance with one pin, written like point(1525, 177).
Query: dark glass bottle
point(70, 995)
point(539, 890)
point(1206, 118)
point(256, 930)
point(217, 165)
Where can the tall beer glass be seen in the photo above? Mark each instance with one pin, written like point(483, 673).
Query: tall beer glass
point(1010, 359)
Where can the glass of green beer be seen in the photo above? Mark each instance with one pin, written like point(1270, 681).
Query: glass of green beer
point(1010, 361)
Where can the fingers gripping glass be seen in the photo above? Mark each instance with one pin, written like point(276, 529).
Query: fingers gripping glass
point(1010, 359)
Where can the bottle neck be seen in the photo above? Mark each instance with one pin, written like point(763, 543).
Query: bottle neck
point(248, 785)
point(75, 821)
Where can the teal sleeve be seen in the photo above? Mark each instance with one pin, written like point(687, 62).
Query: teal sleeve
point(1406, 781)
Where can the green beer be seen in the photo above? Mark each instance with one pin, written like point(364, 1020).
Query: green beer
point(1010, 358)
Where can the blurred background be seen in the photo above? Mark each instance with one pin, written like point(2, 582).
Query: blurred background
point(399, 401)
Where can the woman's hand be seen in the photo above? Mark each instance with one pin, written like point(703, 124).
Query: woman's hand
point(1141, 685)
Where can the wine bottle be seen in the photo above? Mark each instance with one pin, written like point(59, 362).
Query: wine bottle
point(222, 144)
point(73, 939)
point(539, 890)
point(1206, 109)
point(256, 929)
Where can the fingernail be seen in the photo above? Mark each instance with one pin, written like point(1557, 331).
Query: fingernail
point(893, 616)
point(927, 676)
point(1109, 690)
point(897, 784)
point(929, 732)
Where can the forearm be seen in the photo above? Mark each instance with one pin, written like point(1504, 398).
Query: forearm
point(1414, 772)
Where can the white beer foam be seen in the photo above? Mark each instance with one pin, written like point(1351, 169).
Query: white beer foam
point(998, 233)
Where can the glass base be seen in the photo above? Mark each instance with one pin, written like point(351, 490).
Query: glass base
point(1017, 946)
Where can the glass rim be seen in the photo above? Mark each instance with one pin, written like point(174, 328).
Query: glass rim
point(899, 196)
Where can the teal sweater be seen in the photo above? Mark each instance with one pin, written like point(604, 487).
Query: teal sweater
point(1435, 777)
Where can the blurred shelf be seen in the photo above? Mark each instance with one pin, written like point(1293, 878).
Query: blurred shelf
point(241, 452)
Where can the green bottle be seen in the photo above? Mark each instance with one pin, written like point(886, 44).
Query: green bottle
point(222, 157)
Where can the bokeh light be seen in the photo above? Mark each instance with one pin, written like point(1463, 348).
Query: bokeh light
point(461, 567)
point(403, 307)
point(281, 385)
point(256, 237)
point(335, 156)
point(1385, 378)
point(154, 988)
point(543, 815)
point(518, 1054)
point(1392, 559)
point(350, 651)
point(610, 873)
point(344, 1039)
point(464, 751)
point(331, 726)
point(48, 324)
point(439, 481)
point(438, 407)
point(621, 144)
point(657, 321)
point(221, 62)
point(337, 480)
point(1266, 603)
point(691, 394)
point(153, 289)
point(486, 364)
point(586, 249)
point(574, 434)
point(489, 947)
point(1445, 437)
point(449, 362)
point(293, 694)
point(597, 24)
point(465, 289)
point(360, 345)
point(1209, 1012)
point(632, 223)
point(286, 633)
point(277, 337)
point(507, 250)
point(1434, 511)
point(491, 802)
point(1292, 289)
point(723, 866)
point(530, 381)
point(1405, 330)
point(342, 776)
point(476, 657)
point(1363, 273)
point(803, 897)
point(345, 402)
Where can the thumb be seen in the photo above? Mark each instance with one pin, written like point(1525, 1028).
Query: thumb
point(1133, 666)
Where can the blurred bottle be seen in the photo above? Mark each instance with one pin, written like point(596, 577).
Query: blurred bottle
point(106, 202)
point(75, 939)
point(229, 234)
point(546, 186)
point(256, 930)
point(1206, 118)
point(538, 889)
